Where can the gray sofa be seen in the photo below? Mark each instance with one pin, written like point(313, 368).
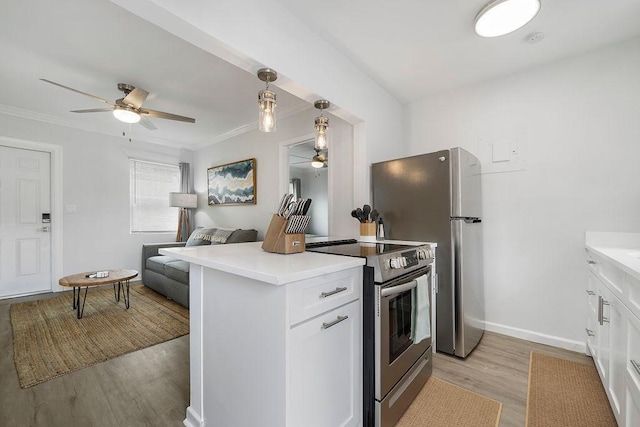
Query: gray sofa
point(170, 276)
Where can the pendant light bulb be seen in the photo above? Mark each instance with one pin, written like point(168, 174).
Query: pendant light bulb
point(267, 102)
point(321, 139)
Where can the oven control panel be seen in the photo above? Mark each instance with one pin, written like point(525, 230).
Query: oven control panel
point(395, 264)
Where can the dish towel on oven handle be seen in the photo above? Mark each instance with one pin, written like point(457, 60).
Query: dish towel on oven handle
point(420, 315)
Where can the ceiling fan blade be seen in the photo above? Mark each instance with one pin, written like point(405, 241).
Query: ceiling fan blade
point(136, 98)
point(93, 110)
point(147, 123)
point(162, 115)
point(78, 91)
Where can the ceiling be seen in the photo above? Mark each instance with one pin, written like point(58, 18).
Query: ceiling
point(413, 49)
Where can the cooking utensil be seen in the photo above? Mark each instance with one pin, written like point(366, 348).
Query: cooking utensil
point(374, 215)
point(366, 210)
point(354, 214)
point(360, 215)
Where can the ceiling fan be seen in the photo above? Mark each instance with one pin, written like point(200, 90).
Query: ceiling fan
point(320, 160)
point(128, 109)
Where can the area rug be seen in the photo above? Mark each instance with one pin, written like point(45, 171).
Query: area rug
point(564, 393)
point(49, 341)
point(443, 404)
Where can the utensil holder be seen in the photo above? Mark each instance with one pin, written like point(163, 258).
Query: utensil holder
point(367, 231)
point(277, 241)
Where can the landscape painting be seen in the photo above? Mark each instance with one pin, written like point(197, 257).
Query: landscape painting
point(233, 183)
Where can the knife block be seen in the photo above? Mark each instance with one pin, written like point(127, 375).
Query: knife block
point(277, 241)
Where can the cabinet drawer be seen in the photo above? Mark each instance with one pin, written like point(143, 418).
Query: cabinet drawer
point(316, 296)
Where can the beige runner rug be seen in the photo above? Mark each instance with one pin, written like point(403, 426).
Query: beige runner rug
point(443, 404)
point(49, 341)
point(563, 393)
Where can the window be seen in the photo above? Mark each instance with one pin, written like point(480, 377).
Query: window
point(149, 188)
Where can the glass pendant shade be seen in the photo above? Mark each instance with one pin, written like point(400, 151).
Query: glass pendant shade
point(501, 17)
point(267, 111)
point(127, 115)
point(321, 125)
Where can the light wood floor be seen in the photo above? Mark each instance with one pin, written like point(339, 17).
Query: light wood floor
point(499, 369)
point(151, 387)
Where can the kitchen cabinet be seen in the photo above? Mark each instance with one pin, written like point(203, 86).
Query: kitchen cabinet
point(325, 368)
point(275, 340)
point(613, 328)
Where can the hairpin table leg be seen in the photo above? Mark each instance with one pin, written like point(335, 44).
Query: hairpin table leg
point(76, 300)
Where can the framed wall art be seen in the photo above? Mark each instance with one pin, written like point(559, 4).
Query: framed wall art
point(232, 183)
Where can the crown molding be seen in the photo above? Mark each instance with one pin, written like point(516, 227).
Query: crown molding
point(79, 124)
point(246, 128)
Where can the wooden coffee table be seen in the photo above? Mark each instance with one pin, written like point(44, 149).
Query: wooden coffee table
point(119, 277)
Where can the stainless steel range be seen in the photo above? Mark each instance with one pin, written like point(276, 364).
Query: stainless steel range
point(396, 323)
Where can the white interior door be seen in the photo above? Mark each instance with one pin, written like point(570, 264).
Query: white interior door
point(25, 240)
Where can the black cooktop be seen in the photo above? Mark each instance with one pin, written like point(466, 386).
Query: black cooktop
point(357, 249)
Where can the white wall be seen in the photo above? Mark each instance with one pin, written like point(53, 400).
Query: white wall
point(252, 33)
point(96, 180)
point(265, 148)
point(579, 122)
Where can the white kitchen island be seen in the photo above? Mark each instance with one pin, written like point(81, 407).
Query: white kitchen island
point(276, 340)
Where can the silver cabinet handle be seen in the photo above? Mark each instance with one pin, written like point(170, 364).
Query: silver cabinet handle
point(591, 262)
point(336, 291)
point(601, 303)
point(635, 365)
point(335, 322)
point(589, 332)
point(600, 316)
point(590, 292)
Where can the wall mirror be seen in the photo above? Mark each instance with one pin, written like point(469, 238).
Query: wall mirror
point(310, 182)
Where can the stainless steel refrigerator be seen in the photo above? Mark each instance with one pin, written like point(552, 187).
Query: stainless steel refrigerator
point(436, 197)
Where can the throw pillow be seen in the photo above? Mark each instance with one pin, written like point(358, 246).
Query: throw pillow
point(200, 237)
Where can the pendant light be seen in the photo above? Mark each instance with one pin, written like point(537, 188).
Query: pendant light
point(267, 102)
point(500, 17)
point(321, 125)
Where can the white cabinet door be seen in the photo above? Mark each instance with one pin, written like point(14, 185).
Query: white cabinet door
point(325, 378)
point(614, 316)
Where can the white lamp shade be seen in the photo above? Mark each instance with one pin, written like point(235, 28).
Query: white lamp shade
point(183, 200)
point(501, 17)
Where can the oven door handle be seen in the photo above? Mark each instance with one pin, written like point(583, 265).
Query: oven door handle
point(394, 290)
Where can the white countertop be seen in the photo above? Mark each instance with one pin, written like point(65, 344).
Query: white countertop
point(249, 260)
point(623, 249)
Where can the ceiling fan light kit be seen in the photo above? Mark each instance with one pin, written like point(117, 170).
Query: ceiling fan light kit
point(267, 102)
point(321, 125)
point(126, 114)
point(500, 17)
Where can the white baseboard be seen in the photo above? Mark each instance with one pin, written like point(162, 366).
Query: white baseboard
point(193, 419)
point(537, 337)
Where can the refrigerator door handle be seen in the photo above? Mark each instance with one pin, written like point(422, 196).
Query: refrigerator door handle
point(467, 219)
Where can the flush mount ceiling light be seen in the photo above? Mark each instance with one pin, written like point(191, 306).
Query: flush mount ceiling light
point(500, 17)
point(267, 102)
point(321, 125)
point(126, 114)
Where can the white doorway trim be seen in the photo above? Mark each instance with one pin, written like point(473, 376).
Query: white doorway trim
point(56, 200)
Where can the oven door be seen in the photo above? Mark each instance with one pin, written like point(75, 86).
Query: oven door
point(395, 350)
